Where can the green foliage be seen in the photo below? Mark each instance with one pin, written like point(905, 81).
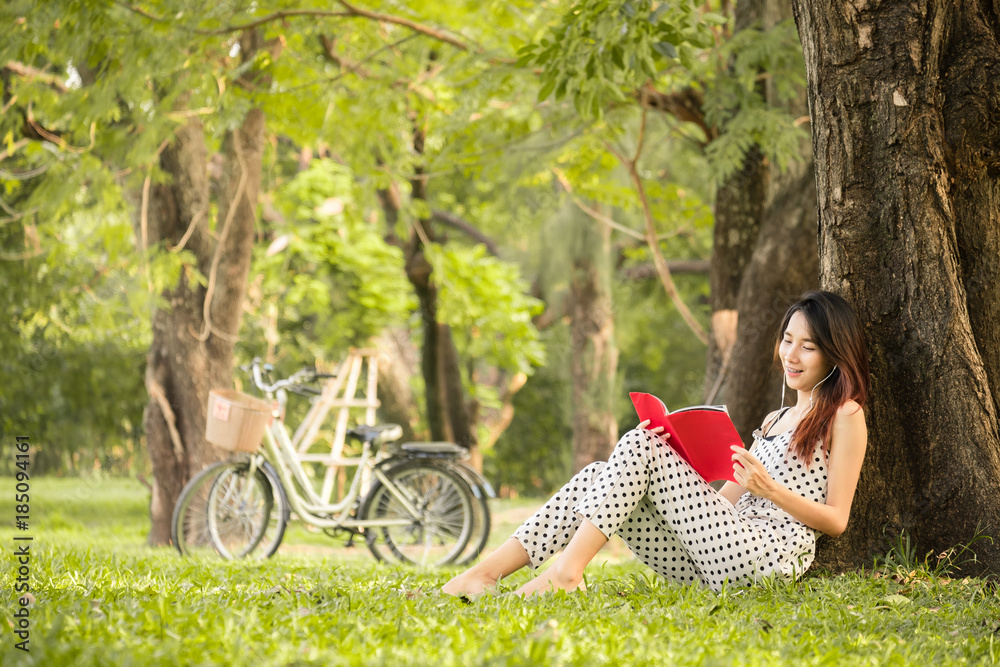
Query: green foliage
point(328, 277)
point(484, 301)
point(752, 55)
point(602, 50)
point(534, 455)
point(748, 98)
point(658, 354)
point(72, 347)
point(102, 597)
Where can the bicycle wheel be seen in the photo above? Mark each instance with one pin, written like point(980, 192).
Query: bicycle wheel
point(444, 503)
point(247, 513)
point(216, 486)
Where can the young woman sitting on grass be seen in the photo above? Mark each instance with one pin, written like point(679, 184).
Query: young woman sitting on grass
point(797, 480)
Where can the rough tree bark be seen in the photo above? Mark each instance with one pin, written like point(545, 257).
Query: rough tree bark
point(193, 338)
point(904, 99)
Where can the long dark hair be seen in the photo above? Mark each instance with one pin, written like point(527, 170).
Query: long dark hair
point(837, 333)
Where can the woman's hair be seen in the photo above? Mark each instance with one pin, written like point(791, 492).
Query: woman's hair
point(837, 332)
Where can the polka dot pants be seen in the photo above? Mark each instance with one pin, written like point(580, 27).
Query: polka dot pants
point(670, 517)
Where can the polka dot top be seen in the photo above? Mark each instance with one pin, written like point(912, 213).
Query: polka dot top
point(807, 477)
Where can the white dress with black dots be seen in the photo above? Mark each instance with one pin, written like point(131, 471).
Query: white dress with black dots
point(675, 522)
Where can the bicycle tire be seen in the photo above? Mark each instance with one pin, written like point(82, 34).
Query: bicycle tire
point(190, 526)
point(440, 534)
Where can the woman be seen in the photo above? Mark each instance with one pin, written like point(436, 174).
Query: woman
point(797, 480)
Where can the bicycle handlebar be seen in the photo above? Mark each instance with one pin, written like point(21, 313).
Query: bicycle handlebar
point(293, 382)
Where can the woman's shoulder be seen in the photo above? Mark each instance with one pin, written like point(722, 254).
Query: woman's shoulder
point(850, 408)
point(770, 416)
point(850, 418)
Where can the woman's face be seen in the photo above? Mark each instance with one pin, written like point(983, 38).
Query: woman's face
point(803, 362)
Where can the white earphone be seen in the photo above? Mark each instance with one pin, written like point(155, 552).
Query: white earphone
point(783, 385)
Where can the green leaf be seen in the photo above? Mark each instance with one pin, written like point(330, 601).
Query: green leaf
point(666, 49)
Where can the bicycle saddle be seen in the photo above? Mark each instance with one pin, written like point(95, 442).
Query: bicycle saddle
point(376, 435)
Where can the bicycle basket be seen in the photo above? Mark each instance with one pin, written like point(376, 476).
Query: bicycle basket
point(236, 421)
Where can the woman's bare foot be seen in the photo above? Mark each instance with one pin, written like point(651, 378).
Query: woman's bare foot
point(553, 579)
point(483, 576)
point(469, 584)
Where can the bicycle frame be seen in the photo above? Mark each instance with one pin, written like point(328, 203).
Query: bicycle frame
point(306, 502)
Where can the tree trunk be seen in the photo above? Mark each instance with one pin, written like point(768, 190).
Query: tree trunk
point(784, 264)
point(191, 354)
point(767, 231)
point(398, 362)
point(739, 206)
point(904, 99)
point(447, 412)
point(594, 356)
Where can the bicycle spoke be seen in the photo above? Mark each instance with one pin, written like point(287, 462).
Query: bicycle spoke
point(442, 526)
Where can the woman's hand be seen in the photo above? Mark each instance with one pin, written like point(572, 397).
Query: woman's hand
point(657, 430)
point(751, 474)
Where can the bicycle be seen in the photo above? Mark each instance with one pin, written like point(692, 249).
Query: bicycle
point(413, 503)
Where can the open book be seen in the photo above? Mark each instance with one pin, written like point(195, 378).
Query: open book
point(701, 434)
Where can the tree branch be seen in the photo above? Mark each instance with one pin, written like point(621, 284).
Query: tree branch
point(350, 11)
point(685, 105)
point(344, 64)
point(648, 271)
point(467, 228)
point(662, 270)
point(159, 395)
point(272, 17)
point(407, 23)
point(213, 271)
point(28, 72)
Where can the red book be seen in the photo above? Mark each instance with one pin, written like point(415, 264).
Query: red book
point(701, 434)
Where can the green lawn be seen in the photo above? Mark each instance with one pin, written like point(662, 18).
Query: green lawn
point(103, 598)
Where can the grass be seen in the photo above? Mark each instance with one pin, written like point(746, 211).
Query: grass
point(103, 598)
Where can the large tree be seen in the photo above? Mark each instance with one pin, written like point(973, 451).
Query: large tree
point(113, 102)
point(904, 99)
point(196, 328)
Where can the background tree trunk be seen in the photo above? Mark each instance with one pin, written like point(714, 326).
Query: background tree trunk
point(398, 362)
point(904, 100)
point(764, 256)
point(447, 412)
point(192, 349)
point(594, 356)
point(190, 356)
point(448, 416)
point(176, 368)
point(739, 207)
point(784, 264)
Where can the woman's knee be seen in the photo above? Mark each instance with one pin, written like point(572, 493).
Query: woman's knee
point(638, 440)
point(590, 472)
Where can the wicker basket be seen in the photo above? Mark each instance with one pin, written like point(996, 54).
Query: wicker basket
point(236, 421)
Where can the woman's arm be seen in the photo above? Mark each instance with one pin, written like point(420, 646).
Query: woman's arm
point(848, 442)
point(732, 491)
